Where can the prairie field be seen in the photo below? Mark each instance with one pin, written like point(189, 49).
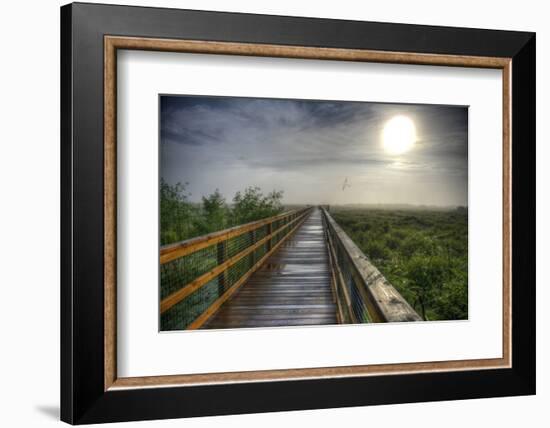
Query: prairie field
point(422, 252)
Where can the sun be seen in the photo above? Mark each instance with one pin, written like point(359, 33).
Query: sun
point(399, 135)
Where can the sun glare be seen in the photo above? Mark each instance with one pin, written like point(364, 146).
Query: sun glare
point(399, 135)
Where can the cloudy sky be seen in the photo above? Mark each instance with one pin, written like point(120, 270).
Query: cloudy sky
point(309, 148)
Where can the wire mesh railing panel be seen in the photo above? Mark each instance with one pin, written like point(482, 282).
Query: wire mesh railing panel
point(176, 273)
point(358, 305)
point(237, 244)
point(341, 304)
point(260, 252)
point(189, 309)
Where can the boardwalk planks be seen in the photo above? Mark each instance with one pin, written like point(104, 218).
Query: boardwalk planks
point(292, 288)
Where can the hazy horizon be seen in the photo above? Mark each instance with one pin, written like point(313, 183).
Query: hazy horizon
point(316, 152)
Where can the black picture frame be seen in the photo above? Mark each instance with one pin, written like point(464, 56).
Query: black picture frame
point(83, 397)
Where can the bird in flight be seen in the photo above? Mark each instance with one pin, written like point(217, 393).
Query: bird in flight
point(346, 184)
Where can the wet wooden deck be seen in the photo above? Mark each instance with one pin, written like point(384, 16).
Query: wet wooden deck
point(292, 288)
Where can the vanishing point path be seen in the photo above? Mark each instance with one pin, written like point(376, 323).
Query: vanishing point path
point(293, 287)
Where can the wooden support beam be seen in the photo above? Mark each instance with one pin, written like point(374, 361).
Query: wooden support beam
point(221, 258)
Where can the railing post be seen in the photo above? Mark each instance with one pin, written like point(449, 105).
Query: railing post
point(252, 235)
point(269, 232)
point(222, 257)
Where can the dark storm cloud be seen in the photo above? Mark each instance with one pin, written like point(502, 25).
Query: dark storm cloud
point(307, 147)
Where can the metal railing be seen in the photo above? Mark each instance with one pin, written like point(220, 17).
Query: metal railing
point(362, 293)
point(198, 275)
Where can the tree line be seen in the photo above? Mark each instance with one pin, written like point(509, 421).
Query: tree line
point(182, 219)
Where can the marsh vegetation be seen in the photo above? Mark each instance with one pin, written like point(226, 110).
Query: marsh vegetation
point(422, 252)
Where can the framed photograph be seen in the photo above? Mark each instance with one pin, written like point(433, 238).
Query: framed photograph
point(265, 213)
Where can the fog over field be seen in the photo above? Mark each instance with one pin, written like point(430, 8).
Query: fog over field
point(317, 152)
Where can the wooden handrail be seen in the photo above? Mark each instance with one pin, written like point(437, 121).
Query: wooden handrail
point(200, 281)
point(179, 249)
point(383, 301)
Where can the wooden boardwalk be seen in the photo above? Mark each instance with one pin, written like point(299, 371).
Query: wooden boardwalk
point(292, 287)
